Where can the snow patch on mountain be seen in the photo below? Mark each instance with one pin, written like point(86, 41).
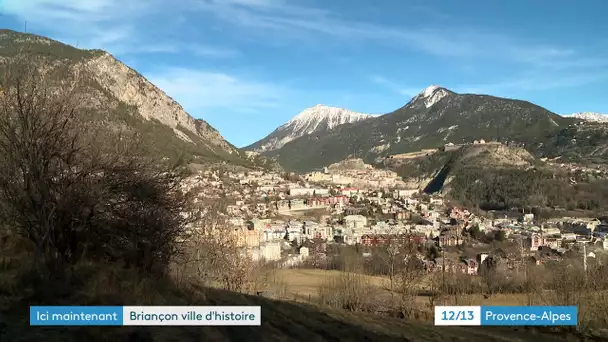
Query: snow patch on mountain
point(316, 119)
point(428, 91)
point(590, 116)
point(429, 96)
point(309, 120)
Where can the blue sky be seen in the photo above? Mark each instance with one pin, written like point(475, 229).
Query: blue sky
point(247, 66)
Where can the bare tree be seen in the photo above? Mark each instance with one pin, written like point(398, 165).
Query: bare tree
point(434, 288)
point(216, 255)
point(390, 256)
point(408, 279)
point(77, 194)
point(349, 290)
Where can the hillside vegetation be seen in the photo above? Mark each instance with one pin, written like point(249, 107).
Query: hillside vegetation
point(584, 142)
point(119, 98)
point(456, 118)
point(496, 177)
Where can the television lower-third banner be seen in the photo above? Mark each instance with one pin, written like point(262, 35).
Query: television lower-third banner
point(506, 315)
point(145, 315)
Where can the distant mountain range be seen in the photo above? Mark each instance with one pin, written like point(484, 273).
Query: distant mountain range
point(315, 120)
point(434, 117)
point(318, 136)
point(590, 116)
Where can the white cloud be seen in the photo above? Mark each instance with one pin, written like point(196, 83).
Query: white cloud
point(396, 87)
point(252, 3)
point(125, 27)
point(538, 80)
point(411, 92)
point(214, 51)
point(212, 92)
point(91, 23)
point(380, 80)
point(535, 82)
point(118, 26)
point(288, 20)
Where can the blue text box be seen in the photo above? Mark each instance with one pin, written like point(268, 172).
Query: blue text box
point(529, 315)
point(76, 315)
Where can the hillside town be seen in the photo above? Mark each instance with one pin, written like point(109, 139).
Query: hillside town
point(287, 219)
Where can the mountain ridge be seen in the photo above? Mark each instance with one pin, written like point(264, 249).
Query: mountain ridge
point(590, 116)
point(317, 119)
point(123, 98)
point(431, 119)
point(151, 102)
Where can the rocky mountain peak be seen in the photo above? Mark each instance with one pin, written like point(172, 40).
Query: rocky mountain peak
point(313, 116)
point(151, 102)
point(429, 96)
point(317, 119)
point(428, 91)
point(121, 98)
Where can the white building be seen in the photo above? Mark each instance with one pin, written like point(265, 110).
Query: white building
point(548, 231)
point(437, 201)
point(350, 192)
point(404, 193)
point(270, 251)
point(355, 221)
point(308, 191)
point(569, 236)
point(352, 238)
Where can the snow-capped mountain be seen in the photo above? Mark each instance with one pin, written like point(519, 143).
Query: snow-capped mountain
point(316, 119)
point(428, 97)
point(434, 117)
point(589, 116)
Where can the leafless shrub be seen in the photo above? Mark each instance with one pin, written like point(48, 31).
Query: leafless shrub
point(214, 256)
point(594, 305)
point(458, 287)
point(534, 281)
point(349, 290)
point(434, 290)
point(76, 194)
point(266, 280)
point(405, 273)
point(570, 284)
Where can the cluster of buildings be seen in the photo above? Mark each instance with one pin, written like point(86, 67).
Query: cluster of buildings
point(354, 172)
point(274, 215)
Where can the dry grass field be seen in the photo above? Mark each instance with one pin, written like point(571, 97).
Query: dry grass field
point(304, 285)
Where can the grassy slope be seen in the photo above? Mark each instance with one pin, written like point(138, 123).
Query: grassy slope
point(281, 321)
point(96, 284)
